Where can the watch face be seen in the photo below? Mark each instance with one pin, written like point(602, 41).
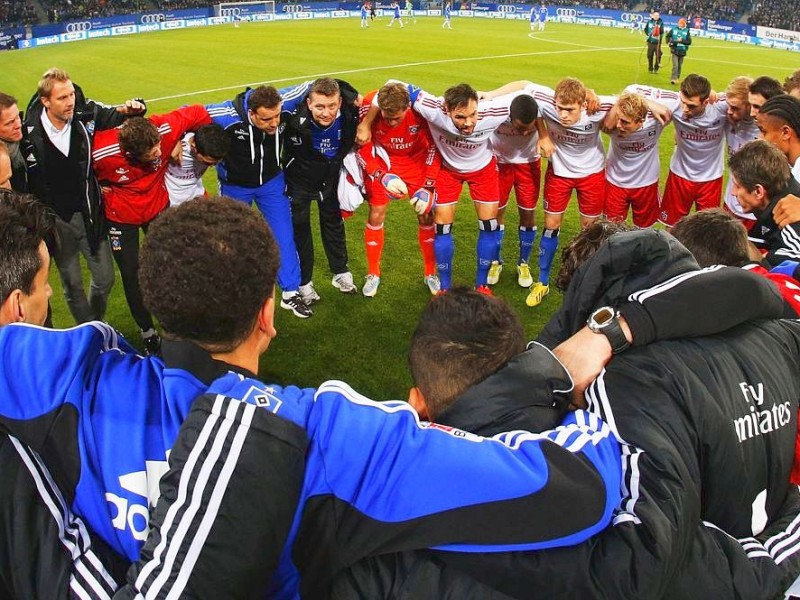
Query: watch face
point(603, 316)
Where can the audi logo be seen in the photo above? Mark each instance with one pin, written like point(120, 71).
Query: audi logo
point(79, 26)
point(631, 18)
point(506, 8)
point(155, 18)
point(230, 12)
point(566, 12)
point(293, 8)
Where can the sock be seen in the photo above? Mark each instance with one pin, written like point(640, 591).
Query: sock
point(373, 244)
point(444, 247)
point(148, 333)
point(501, 234)
point(485, 249)
point(548, 246)
point(527, 237)
point(425, 237)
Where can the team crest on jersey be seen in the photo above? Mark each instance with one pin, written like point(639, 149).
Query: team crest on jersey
point(413, 129)
point(89, 127)
point(263, 398)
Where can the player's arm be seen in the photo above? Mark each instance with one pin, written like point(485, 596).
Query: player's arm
point(368, 115)
point(609, 124)
point(188, 118)
point(514, 86)
point(423, 200)
point(791, 246)
point(660, 112)
point(546, 147)
point(107, 117)
point(294, 95)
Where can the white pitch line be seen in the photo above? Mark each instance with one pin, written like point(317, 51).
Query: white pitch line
point(386, 67)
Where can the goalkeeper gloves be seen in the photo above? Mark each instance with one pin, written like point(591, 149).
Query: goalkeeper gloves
point(394, 186)
point(423, 200)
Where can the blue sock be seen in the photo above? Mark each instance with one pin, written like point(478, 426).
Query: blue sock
point(548, 246)
point(443, 249)
point(486, 249)
point(501, 233)
point(527, 237)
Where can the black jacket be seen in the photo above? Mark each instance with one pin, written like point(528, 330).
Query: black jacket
point(308, 171)
point(89, 117)
point(780, 244)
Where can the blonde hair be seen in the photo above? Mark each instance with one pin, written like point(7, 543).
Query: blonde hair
point(739, 87)
point(633, 106)
point(49, 79)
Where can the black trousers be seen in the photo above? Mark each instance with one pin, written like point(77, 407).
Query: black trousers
point(125, 249)
point(653, 55)
point(331, 227)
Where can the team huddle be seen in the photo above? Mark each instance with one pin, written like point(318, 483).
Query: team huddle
point(619, 455)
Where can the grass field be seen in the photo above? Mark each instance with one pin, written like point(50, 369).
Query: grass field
point(362, 341)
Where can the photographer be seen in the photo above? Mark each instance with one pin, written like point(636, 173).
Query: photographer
point(679, 40)
point(654, 30)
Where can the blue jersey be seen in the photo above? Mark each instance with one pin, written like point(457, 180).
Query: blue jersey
point(534, 15)
point(447, 11)
point(396, 11)
point(543, 13)
point(364, 11)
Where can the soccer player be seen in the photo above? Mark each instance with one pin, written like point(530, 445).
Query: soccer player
point(461, 127)
point(542, 16)
point(695, 170)
point(411, 168)
point(779, 124)
point(446, 13)
point(761, 177)
point(576, 163)
point(191, 158)
point(632, 166)
point(791, 85)
point(762, 89)
point(11, 136)
point(515, 144)
point(395, 7)
point(251, 172)
point(364, 14)
point(534, 17)
point(129, 164)
point(740, 128)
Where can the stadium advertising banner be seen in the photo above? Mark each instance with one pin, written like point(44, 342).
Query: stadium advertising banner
point(10, 37)
point(780, 35)
point(731, 28)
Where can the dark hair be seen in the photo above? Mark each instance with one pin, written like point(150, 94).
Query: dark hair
point(6, 101)
point(584, 245)
point(462, 337)
point(264, 96)
point(138, 136)
point(24, 224)
point(206, 269)
point(696, 85)
point(785, 108)
point(212, 141)
point(714, 237)
point(767, 87)
point(325, 86)
point(459, 95)
point(524, 109)
point(760, 163)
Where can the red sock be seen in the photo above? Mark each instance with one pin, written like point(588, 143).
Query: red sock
point(373, 244)
point(425, 235)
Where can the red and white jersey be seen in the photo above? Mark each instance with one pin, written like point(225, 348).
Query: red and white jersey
point(788, 286)
point(408, 145)
point(462, 153)
point(698, 149)
point(185, 179)
point(579, 149)
point(135, 192)
point(633, 160)
point(736, 136)
point(512, 147)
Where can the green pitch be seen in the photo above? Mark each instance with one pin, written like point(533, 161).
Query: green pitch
point(364, 341)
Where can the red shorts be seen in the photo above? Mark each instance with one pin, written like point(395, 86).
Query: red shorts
point(526, 180)
point(482, 184)
point(591, 192)
point(642, 200)
point(680, 194)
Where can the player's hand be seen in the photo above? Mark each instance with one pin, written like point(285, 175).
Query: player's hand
point(363, 133)
point(546, 148)
point(787, 211)
point(592, 102)
point(712, 97)
point(394, 186)
point(175, 155)
point(661, 113)
point(133, 107)
point(423, 200)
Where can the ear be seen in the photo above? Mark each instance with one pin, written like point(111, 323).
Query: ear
point(418, 403)
point(12, 310)
point(266, 318)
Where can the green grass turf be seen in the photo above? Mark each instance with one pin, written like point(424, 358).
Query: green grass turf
point(364, 341)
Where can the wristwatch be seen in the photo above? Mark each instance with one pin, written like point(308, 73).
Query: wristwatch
point(605, 320)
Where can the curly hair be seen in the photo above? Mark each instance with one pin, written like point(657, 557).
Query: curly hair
point(206, 269)
point(138, 136)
